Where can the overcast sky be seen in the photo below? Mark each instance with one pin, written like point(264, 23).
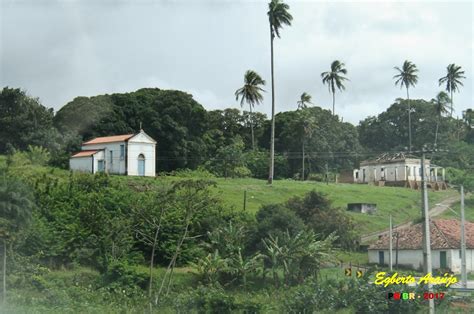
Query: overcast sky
point(58, 50)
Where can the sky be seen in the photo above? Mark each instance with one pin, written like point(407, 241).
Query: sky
point(58, 50)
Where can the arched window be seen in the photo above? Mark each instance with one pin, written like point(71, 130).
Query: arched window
point(141, 165)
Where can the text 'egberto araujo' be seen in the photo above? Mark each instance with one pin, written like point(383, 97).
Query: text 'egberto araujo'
point(382, 279)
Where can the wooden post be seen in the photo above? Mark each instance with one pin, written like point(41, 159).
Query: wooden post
point(245, 199)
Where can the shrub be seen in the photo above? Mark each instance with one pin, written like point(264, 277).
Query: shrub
point(205, 300)
point(316, 211)
point(241, 172)
point(275, 220)
point(125, 276)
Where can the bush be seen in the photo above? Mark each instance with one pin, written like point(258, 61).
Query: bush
point(205, 300)
point(275, 220)
point(316, 211)
point(257, 162)
point(125, 276)
point(200, 173)
point(241, 172)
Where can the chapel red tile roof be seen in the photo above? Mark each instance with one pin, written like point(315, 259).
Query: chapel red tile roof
point(444, 234)
point(108, 139)
point(85, 153)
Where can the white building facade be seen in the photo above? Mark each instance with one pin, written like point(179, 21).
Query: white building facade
point(445, 246)
point(440, 259)
point(396, 168)
point(129, 154)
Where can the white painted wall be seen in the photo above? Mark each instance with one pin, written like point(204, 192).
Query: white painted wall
point(400, 171)
point(456, 260)
point(414, 258)
point(117, 164)
point(82, 164)
point(98, 156)
point(141, 144)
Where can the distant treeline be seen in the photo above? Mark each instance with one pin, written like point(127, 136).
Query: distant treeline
point(188, 136)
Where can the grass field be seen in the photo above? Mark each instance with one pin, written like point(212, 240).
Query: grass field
point(402, 203)
point(468, 209)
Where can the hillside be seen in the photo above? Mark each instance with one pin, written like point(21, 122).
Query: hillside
point(403, 204)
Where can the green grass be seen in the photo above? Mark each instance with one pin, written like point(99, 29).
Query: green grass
point(404, 204)
point(468, 209)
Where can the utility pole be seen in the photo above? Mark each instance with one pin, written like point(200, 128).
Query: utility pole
point(390, 258)
point(463, 243)
point(426, 229)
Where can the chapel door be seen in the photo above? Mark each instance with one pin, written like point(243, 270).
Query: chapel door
point(141, 165)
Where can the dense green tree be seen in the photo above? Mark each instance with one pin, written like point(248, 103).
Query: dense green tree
point(318, 213)
point(332, 141)
point(335, 78)
point(229, 161)
point(407, 77)
point(251, 93)
point(278, 17)
point(16, 205)
point(173, 118)
point(389, 131)
point(452, 79)
point(24, 121)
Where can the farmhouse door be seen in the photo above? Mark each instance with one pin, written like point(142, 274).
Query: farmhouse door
point(141, 165)
point(442, 260)
point(100, 166)
point(381, 258)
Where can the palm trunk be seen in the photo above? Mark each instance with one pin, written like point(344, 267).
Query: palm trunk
point(302, 173)
point(436, 134)
point(4, 299)
point(409, 121)
point(333, 103)
point(251, 127)
point(452, 103)
point(272, 137)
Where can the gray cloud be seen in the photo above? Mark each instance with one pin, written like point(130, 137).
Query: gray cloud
point(58, 50)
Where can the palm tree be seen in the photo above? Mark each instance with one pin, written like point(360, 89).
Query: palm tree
point(441, 106)
point(278, 16)
point(334, 79)
point(407, 77)
point(452, 80)
point(251, 93)
point(305, 99)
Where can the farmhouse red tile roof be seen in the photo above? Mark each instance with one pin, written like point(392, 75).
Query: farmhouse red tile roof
point(109, 139)
point(444, 234)
point(85, 153)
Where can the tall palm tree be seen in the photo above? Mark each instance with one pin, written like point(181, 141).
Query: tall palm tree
point(407, 77)
point(441, 105)
point(251, 93)
point(278, 16)
point(335, 79)
point(452, 80)
point(305, 99)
